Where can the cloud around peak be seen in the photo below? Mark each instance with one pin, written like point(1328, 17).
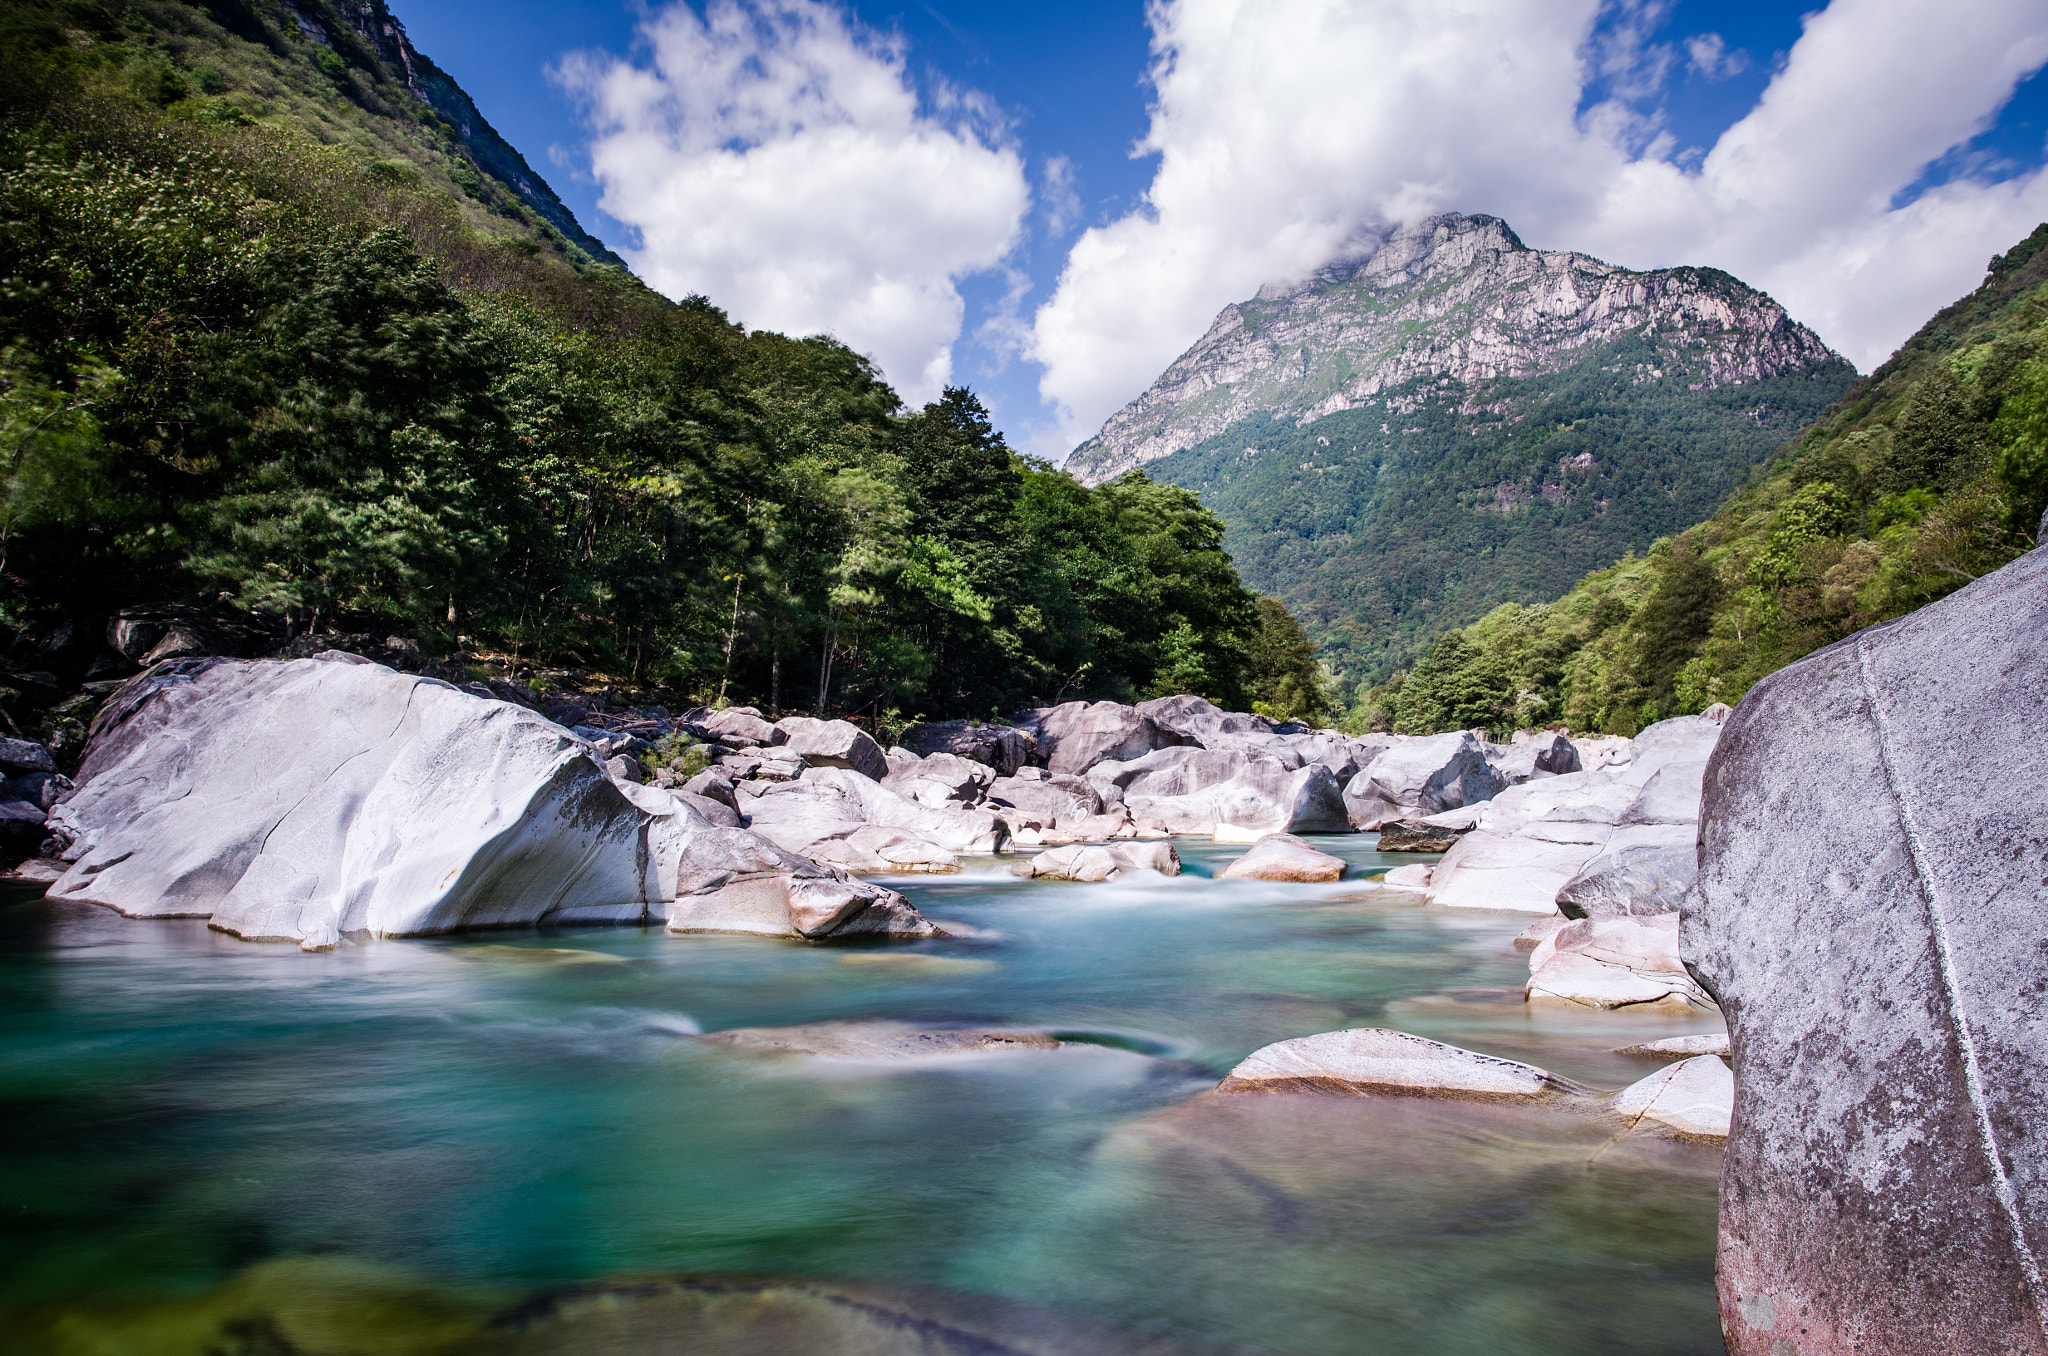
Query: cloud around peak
point(775, 156)
point(1288, 129)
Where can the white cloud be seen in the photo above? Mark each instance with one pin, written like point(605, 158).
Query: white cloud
point(1287, 130)
point(1060, 200)
point(775, 157)
point(1709, 56)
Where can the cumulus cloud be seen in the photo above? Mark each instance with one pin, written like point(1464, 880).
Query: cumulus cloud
point(777, 157)
point(1290, 131)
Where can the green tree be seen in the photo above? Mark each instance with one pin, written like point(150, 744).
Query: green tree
point(1284, 677)
point(1677, 617)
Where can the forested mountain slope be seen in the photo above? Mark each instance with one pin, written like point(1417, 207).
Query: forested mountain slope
point(282, 340)
point(1453, 420)
point(1933, 471)
point(345, 74)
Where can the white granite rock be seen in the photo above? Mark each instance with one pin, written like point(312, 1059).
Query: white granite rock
point(1284, 857)
point(1695, 1097)
point(834, 743)
point(311, 799)
point(1679, 1047)
point(1374, 1060)
point(1422, 777)
point(1615, 962)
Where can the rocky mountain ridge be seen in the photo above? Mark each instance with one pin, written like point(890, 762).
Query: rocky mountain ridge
point(1457, 300)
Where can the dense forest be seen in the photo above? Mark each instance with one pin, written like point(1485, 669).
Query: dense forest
point(1930, 473)
point(1383, 526)
point(277, 340)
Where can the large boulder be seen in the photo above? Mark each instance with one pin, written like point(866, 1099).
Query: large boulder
point(1078, 735)
point(1417, 835)
point(20, 757)
point(307, 799)
point(841, 816)
point(1047, 804)
point(1487, 870)
point(1682, 739)
point(1871, 914)
point(1233, 795)
point(1630, 880)
point(1200, 721)
point(940, 780)
point(729, 880)
point(880, 1040)
point(1372, 1060)
point(1002, 747)
point(1422, 777)
point(740, 727)
point(834, 743)
point(955, 828)
point(1670, 796)
point(1546, 753)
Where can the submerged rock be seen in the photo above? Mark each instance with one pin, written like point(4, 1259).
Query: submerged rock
point(1679, 1047)
point(1373, 1060)
point(1282, 856)
point(1695, 1097)
point(1233, 794)
point(879, 1040)
point(334, 1305)
point(1870, 913)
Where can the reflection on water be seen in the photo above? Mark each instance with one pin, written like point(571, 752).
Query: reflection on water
point(429, 1145)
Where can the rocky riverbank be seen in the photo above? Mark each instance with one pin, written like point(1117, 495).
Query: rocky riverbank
point(1818, 862)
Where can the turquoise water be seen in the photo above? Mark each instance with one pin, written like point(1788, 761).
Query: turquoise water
point(517, 1111)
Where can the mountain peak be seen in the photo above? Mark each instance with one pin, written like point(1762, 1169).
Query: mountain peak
point(1454, 297)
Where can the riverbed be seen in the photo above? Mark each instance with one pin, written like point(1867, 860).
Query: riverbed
point(472, 1122)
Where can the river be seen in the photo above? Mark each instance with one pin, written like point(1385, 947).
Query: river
point(466, 1121)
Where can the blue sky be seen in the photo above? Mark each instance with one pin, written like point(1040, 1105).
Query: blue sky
point(984, 150)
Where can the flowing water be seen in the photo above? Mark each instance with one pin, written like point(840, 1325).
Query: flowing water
point(420, 1132)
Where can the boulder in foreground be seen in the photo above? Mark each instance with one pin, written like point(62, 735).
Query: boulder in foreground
point(309, 799)
point(1373, 1060)
point(1871, 914)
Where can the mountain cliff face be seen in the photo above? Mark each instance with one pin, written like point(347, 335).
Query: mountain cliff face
point(1453, 420)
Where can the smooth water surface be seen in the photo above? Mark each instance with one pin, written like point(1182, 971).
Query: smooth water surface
point(515, 1111)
